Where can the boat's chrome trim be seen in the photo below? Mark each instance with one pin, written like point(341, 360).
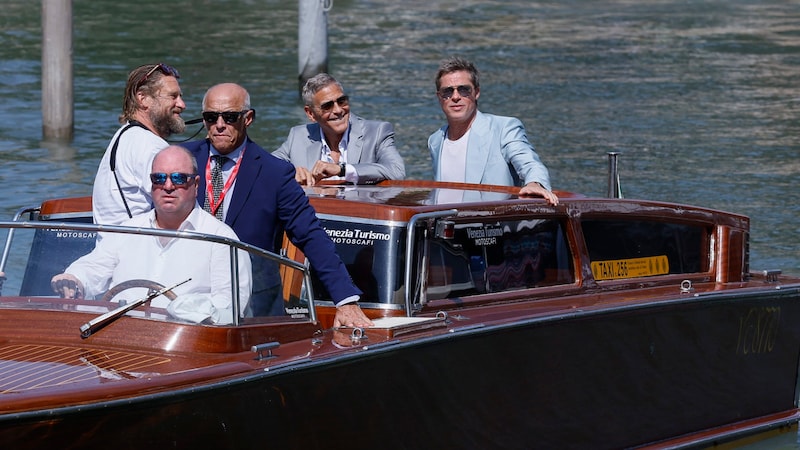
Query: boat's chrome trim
point(233, 244)
point(59, 216)
point(410, 234)
point(362, 304)
point(10, 237)
point(349, 219)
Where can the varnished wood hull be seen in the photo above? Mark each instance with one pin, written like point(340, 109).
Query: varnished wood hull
point(615, 377)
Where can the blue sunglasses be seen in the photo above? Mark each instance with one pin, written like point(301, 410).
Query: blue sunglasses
point(177, 178)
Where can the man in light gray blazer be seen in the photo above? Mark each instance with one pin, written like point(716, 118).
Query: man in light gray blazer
point(481, 148)
point(338, 145)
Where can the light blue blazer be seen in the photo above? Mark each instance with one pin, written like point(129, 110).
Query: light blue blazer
point(371, 149)
point(498, 152)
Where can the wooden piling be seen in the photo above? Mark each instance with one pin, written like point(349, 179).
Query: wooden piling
point(57, 77)
point(312, 38)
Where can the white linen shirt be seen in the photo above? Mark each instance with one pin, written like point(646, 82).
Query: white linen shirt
point(350, 173)
point(121, 257)
point(135, 152)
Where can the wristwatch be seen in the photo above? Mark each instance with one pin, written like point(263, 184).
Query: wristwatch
point(342, 169)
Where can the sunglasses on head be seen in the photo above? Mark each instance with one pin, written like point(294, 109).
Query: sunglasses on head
point(463, 91)
point(341, 101)
point(228, 116)
point(177, 178)
point(165, 69)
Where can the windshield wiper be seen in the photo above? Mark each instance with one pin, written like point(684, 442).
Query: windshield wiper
point(97, 323)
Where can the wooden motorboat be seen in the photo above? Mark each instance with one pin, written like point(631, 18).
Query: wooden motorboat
point(501, 322)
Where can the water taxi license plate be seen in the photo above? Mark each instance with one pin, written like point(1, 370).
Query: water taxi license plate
point(630, 268)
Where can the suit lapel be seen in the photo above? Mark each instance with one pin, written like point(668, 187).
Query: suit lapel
point(249, 170)
point(202, 162)
point(477, 149)
point(436, 145)
point(313, 146)
point(356, 143)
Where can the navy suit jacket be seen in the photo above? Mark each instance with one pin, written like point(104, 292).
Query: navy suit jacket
point(267, 201)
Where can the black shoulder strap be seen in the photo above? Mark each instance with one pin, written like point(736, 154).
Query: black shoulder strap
point(113, 161)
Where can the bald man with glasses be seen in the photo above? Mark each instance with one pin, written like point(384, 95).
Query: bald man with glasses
point(257, 195)
point(121, 257)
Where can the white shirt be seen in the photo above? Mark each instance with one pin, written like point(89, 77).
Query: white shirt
point(121, 257)
point(350, 173)
point(454, 159)
point(135, 152)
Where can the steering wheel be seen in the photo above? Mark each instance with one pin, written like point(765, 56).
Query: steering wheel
point(125, 285)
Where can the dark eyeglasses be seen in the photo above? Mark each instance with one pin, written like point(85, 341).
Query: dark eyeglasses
point(177, 178)
point(341, 101)
point(228, 116)
point(463, 91)
point(165, 69)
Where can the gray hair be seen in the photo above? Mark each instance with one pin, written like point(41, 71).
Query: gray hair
point(316, 84)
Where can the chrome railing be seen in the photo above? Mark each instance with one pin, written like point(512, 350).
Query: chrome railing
point(233, 244)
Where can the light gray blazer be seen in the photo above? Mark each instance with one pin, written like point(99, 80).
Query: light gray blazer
point(498, 152)
point(370, 149)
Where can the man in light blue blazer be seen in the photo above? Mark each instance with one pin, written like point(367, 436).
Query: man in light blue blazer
point(481, 148)
point(338, 145)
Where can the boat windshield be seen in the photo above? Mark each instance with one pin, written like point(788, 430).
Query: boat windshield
point(212, 280)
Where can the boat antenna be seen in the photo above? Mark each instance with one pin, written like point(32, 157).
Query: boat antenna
point(614, 189)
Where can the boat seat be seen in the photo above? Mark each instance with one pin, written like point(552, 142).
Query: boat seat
point(52, 250)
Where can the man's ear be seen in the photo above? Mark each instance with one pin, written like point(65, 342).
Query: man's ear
point(249, 117)
point(143, 100)
point(309, 113)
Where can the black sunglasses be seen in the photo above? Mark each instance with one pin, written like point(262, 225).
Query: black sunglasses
point(463, 91)
point(177, 178)
point(165, 69)
point(341, 101)
point(228, 116)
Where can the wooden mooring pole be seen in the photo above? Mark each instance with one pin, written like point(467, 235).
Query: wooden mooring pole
point(312, 38)
point(57, 89)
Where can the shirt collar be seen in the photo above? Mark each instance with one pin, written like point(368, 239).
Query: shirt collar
point(326, 150)
point(234, 155)
point(189, 223)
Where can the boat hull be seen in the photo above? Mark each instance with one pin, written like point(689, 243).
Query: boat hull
point(618, 377)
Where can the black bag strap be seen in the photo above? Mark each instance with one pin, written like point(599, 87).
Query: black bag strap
point(113, 161)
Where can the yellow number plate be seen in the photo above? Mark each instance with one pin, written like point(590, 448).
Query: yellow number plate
point(630, 268)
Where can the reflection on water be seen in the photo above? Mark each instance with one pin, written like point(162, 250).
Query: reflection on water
point(700, 98)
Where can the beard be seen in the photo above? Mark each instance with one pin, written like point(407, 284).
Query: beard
point(167, 124)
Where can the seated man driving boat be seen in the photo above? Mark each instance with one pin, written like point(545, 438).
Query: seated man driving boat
point(120, 257)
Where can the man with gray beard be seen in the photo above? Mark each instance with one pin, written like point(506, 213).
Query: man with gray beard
point(151, 112)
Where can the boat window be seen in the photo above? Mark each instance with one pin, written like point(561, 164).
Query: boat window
point(498, 256)
point(638, 248)
point(374, 257)
point(35, 255)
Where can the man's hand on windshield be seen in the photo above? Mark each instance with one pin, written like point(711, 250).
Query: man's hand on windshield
point(67, 286)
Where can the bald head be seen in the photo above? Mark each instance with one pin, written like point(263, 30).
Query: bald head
point(227, 136)
point(175, 179)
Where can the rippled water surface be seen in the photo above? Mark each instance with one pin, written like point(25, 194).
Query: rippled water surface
point(700, 97)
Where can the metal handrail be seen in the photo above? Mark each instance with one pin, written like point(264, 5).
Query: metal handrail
point(6, 249)
point(410, 249)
